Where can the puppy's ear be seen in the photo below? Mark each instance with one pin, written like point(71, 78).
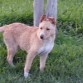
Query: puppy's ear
point(43, 18)
point(52, 20)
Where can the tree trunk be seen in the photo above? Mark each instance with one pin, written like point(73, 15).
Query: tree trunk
point(38, 11)
point(51, 8)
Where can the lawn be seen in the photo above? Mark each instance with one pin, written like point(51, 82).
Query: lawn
point(65, 62)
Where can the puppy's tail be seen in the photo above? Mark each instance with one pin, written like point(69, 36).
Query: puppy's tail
point(2, 29)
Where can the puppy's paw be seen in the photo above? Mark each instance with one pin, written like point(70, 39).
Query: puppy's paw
point(26, 74)
point(12, 65)
point(41, 69)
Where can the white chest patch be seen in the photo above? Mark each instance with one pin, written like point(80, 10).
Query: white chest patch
point(46, 48)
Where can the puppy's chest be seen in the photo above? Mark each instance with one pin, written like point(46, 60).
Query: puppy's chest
point(46, 47)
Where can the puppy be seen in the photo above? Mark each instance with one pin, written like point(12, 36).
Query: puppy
point(34, 40)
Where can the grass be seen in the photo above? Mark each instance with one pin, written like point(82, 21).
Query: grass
point(15, 10)
point(65, 62)
point(70, 16)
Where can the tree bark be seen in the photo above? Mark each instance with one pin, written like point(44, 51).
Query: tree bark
point(38, 11)
point(51, 8)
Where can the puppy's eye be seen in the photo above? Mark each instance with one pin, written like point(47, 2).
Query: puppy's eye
point(41, 28)
point(47, 29)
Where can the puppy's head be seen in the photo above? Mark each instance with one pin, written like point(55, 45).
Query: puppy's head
point(47, 27)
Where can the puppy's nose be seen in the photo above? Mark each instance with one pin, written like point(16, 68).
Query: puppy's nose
point(42, 36)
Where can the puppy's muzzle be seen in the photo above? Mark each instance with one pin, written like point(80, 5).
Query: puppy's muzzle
point(42, 36)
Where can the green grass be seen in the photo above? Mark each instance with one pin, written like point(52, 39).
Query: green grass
point(15, 10)
point(70, 15)
point(65, 62)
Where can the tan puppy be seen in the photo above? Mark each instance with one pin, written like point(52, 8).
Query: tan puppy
point(34, 40)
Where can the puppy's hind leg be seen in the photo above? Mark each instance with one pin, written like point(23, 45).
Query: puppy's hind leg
point(10, 54)
point(11, 49)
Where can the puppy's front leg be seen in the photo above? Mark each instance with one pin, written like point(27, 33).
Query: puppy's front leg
point(43, 59)
point(28, 63)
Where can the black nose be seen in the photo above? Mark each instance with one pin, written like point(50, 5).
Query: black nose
point(42, 36)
